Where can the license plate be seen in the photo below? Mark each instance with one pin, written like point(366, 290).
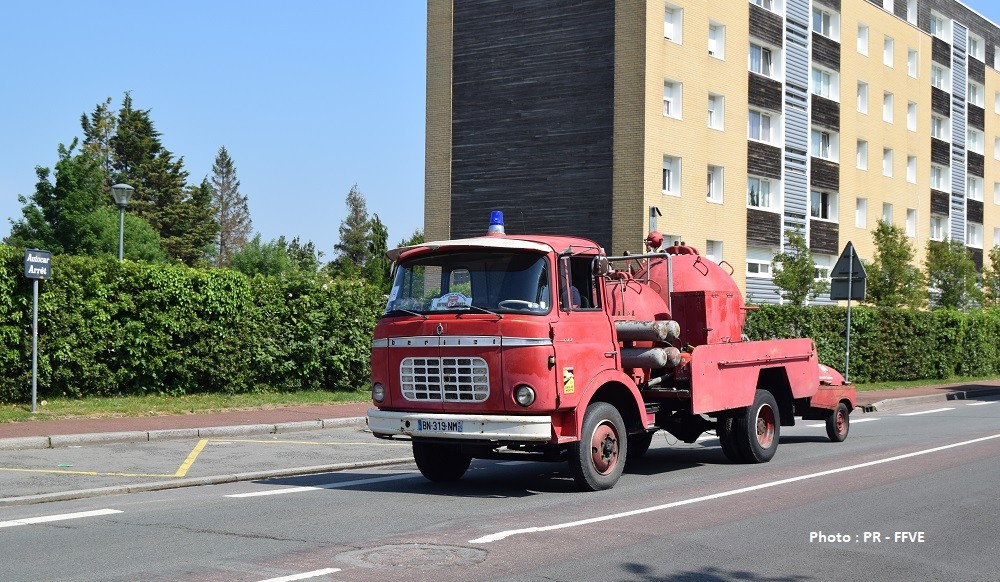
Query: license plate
point(439, 425)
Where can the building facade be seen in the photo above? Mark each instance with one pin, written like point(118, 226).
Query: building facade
point(722, 124)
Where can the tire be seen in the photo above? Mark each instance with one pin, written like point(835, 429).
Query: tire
point(838, 424)
point(758, 429)
point(596, 461)
point(440, 462)
point(638, 444)
point(727, 438)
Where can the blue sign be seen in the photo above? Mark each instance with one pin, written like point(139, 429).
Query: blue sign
point(37, 264)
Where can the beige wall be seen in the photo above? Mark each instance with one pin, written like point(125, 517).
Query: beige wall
point(437, 161)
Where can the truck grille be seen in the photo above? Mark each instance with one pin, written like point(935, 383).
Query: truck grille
point(445, 379)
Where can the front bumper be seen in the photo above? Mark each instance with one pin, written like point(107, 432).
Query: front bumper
point(472, 426)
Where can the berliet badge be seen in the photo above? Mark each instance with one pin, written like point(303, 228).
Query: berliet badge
point(440, 329)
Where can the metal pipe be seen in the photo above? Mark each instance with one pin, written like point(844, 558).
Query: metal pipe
point(655, 331)
point(650, 357)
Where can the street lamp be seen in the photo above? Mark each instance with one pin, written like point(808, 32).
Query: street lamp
point(122, 194)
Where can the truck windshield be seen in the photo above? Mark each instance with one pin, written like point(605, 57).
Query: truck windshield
point(501, 281)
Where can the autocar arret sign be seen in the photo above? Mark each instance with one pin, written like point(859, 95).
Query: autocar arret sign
point(37, 264)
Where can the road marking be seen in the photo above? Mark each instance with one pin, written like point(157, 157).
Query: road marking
point(304, 575)
point(283, 442)
point(981, 403)
point(495, 537)
point(183, 469)
point(927, 411)
point(90, 473)
point(853, 421)
point(60, 517)
point(337, 485)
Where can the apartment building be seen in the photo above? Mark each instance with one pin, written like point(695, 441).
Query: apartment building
point(723, 124)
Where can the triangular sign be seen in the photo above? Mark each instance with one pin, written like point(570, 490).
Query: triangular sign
point(849, 265)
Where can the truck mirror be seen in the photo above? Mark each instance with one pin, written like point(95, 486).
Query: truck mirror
point(601, 266)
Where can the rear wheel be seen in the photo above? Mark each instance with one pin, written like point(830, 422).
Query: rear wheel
point(757, 430)
point(638, 444)
point(596, 461)
point(727, 438)
point(440, 462)
point(838, 424)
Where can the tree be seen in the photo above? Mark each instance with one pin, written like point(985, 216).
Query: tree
point(991, 280)
point(415, 239)
point(229, 208)
point(275, 258)
point(795, 272)
point(893, 281)
point(98, 129)
point(951, 275)
point(378, 267)
point(355, 229)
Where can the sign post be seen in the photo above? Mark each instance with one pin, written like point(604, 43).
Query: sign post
point(37, 265)
point(848, 280)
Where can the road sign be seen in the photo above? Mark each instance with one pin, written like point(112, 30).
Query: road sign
point(848, 279)
point(37, 264)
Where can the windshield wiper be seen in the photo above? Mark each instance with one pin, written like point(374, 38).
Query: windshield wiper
point(482, 309)
point(407, 311)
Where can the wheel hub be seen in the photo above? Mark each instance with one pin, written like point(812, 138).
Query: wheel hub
point(604, 448)
point(765, 426)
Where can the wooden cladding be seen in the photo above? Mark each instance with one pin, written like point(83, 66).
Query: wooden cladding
point(975, 164)
point(763, 160)
point(940, 52)
point(977, 71)
point(825, 113)
point(940, 102)
point(767, 26)
point(764, 92)
point(826, 52)
point(940, 202)
point(824, 174)
point(940, 152)
point(974, 211)
point(763, 228)
point(824, 237)
point(976, 116)
point(977, 258)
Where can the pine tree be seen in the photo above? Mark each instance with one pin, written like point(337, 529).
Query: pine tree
point(354, 234)
point(378, 267)
point(229, 208)
point(98, 129)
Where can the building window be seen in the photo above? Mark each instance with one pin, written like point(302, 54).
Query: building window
point(861, 213)
point(887, 100)
point(821, 266)
point(672, 175)
point(939, 27)
point(939, 178)
point(862, 97)
point(715, 184)
point(863, 39)
point(996, 237)
point(862, 155)
point(823, 23)
point(975, 95)
point(996, 148)
point(911, 222)
point(887, 213)
point(911, 116)
point(939, 78)
point(939, 127)
point(758, 262)
point(938, 227)
point(974, 235)
point(825, 83)
point(974, 186)
point(768, 4)
point(887, 48)
point(673, 23)
point(713, 250)
point(761, 61)
point(911, 12)
point(760, 126)
point(716, 111)
point(974, 141)
point(761, 193)
point(672, 93)
point(887, 5)
point(996, 193)
point(824, 145)
point(911, 169)
point(912, 65)
point(977, 48)
point(887, 162)
point(716, 40)
point(823, 205)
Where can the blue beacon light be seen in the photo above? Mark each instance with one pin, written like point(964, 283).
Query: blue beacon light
point(496, 222)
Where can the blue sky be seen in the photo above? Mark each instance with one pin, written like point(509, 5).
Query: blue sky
point(309, 97)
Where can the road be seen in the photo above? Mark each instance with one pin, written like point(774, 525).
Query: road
point(911, 495)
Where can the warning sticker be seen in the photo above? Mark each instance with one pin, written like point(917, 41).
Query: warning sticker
point(568, 384)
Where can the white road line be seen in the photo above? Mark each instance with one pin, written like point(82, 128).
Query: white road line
point(304, 575)
point(927, 411)
point(981, 403)
point(60, 517)
point(338, 485)
point(853, 421)
point(512, 532)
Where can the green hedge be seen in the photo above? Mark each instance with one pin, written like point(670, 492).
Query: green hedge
point(117, 328)
point(890, 344)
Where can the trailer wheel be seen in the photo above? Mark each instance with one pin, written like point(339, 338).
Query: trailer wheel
point(757, 430)
point(596, 461)
point(727, 438)
point(838, 424)
point(638, 444)
point(440, 462)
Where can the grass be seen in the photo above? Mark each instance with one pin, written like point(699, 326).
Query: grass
point(60, 408)
point(900, 384)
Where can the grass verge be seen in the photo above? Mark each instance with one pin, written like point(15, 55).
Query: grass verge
point(901, 384)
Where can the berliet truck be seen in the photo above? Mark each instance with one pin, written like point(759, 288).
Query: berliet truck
point(543, 347)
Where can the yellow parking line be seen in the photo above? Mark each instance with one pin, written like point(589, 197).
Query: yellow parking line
point(367, 444)
point(182, 471)
point(90, 473)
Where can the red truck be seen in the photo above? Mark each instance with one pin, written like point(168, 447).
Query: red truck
point(543, 347)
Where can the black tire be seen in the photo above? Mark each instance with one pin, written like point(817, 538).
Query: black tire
point(596, 461)
point(838, 424)
point(758, 429)
point(638, 444)
point(727, 438)
point(440, 462)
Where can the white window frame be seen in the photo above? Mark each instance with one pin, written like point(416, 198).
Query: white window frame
point(974, 235)
point(671, 179)
point(673, 98)
point(862, 95)
point(716, 40)
point(861, 155)
point(826, 23)
point(940, 178)
point(975, 93)
point(759, 262)
point(713, 250)
point(911, 222)
point(887, 213)
point(911, 12)
point(824, 144)
point(912, 63)
point(939, 226)
point(940, 128)
point(825, 83)
point(888, 156)
point(974, 188)
point(861, 213)
point(911, 169)
point(767, 198)
point(673, 23)
point(823, 202)
point(996, 148)
point(996, 193)
point(863, 39)
point(976, 47)
point(911, 116)
point(716, 184)
point(765, 60)
point(888, 50)
point(716, 111)
point(940, 27)
point(888, 103)
point(765, 130)
point(974, 141)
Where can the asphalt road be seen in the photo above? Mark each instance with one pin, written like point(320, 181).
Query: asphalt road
point(911, 495)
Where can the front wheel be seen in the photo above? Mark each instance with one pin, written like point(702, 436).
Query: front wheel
point(838, 424)
point(758, 429)
point(597, 460)
point(440, 462)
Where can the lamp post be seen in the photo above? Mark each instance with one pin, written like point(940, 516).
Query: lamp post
point(122, 194)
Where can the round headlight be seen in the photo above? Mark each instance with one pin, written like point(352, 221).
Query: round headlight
point(525, 395)
point(378, 393)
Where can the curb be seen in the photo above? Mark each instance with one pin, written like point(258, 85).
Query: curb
point(193, 482)
point(893, 403)
point(101, 438)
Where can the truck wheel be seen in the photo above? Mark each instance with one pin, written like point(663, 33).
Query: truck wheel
point(838, 424)
point(596, 461)
point(440, 462)
point(727, 438)
point(757, 430)
point(638, 444)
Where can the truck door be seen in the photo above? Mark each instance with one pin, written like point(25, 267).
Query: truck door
point(581, 336)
